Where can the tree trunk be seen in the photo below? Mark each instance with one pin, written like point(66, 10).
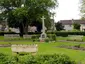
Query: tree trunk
point(26, 29)
point(21, 29)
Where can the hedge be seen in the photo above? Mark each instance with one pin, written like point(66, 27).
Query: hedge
point(57, 33)
point(36, 59)
point(69, 33)
point(30, 33)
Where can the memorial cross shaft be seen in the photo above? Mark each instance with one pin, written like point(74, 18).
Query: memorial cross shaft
point(43, 24)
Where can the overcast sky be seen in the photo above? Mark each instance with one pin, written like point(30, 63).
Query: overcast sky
point(68, 9)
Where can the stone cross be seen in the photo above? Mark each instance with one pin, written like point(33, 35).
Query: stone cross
point(43, 35)
point(43, 24)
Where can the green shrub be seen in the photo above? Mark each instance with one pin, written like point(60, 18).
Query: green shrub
point(78, 45)
point(11, 60)
point(3, 58)
point(36, 59)
point(51, 37)
point(65, 34)
point(54, 37)
point(35, 37)
point(58, 33)
point(47, 40)
point(49, 59)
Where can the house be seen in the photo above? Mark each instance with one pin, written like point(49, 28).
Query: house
point(68, 24)
point(32, 28)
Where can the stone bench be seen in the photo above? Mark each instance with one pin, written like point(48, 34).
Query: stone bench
point(11, 36)
point(25, 48)
point(27, 36)
point(75, 37)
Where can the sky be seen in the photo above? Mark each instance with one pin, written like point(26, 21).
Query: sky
point(67, 10)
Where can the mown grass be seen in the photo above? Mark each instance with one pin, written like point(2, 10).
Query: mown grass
point(6, 50)
point(51, 48)
point(1, 37)
point(84, 38)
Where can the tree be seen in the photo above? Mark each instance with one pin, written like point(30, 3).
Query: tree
point(82, 9)
point(19, 18)
point(76, 26)
point(59, 26)
point(33, 9)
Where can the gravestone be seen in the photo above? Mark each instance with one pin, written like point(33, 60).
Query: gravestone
point(43, 34)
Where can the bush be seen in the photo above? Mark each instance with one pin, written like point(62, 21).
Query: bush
point(2, 33)
point(51, 37)
point(36, 59)
point(58, 33)
point(49, 59)
point(30, 33)
point(78, 45)
point(47, 40)
point(65, 34)
point(3, 58)
point(54, 37)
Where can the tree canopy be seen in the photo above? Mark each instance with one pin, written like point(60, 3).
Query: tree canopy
point(76, 26)
point(82, 9)
point(59, 26)
point(32, 11)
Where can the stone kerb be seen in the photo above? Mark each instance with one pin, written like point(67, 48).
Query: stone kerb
point(25, 48)
point(11, 36)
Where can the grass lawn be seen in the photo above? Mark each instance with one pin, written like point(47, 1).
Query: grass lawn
point(1, 38)
point(6, 50)
point(51, 48)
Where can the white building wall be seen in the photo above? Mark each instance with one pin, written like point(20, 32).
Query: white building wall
point(82, 28)
point(68, 27)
